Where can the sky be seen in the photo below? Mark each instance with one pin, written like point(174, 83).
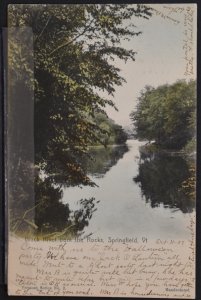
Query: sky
point(160, 56)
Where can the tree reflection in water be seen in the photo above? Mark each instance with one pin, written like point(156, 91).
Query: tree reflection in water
point(161, 178)
point(52, 215)
point(48, 216)
point(55, 219)
point(102, 159)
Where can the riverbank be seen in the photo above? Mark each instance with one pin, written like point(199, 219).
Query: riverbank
point(100, 146)
point(152, 148)
point(156, 196)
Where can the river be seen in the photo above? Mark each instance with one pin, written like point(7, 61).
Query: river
point(135, 197)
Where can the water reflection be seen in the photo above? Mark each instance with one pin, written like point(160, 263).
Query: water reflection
point(48, 217)
point(51, 218)
point(73, 221)
point(103, 159)
point(55, 219)
point(121, 211)
point(161, 179)
point(67, 212)
point(80, 218)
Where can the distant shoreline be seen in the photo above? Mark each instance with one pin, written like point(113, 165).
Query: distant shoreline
point(152, 148)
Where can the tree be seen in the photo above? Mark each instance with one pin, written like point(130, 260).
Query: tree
point(165, 114)
point(113, 133)
point(74, 46)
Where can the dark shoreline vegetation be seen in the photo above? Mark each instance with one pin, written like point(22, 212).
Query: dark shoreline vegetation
point(166, 117)
point(75, 48)
point(167, 177)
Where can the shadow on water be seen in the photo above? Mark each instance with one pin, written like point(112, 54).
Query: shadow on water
point(55, 218)
point(161, 178)
point(48, 217)
point(70, 221)
point(103, 159)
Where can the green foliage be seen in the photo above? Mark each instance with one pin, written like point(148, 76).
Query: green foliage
point(74, 50)
point(166, 114)
point(112, 133)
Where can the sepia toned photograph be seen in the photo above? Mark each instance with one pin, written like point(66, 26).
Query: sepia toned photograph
point(101, 149)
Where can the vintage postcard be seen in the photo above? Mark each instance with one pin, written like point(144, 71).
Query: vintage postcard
point(101, 149)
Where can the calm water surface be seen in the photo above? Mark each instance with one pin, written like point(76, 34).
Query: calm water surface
point(136, 196)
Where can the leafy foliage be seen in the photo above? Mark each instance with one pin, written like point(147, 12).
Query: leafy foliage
point(166, 114)
point(112, 133)
point(74, 47)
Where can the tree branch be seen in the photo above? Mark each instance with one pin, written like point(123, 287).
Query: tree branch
point(74, 39)
point(22, 219)
point(43, 29)
point(58, 234)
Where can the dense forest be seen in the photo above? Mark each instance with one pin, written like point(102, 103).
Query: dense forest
point(167, 115)
point(112, 132)
point(63, 58)
point(74, 53)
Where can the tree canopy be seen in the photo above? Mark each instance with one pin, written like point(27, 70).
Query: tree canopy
point(166, 114)
point(113, 133)
point(74, 50)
